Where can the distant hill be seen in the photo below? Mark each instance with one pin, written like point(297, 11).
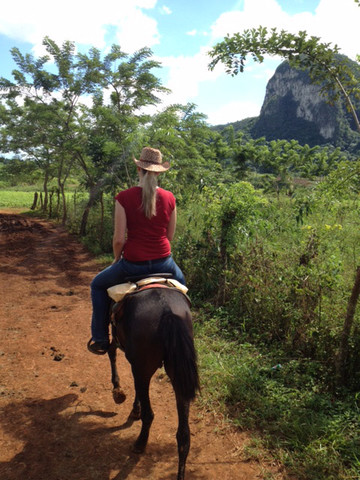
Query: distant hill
point(293, 108)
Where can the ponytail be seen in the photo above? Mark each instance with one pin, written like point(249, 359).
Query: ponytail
point(148, 182)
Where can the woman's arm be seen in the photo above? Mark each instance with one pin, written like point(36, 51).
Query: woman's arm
point(171, 225)
point(119, 236)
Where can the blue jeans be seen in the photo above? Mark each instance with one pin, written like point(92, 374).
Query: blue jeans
point(113, 275)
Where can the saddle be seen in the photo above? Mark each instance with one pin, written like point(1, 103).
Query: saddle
point(134, 285)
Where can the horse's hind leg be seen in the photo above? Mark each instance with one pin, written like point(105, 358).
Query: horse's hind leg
point(118, 394)
point(135, 413)
point(147, 415)
point(182, 434)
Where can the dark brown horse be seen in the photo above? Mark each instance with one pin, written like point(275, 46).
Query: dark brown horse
point(154, 330)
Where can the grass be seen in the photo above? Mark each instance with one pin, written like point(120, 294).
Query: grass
point(16, 199)
point(315, 435)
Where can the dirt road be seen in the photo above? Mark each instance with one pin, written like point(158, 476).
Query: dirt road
point(58, 420)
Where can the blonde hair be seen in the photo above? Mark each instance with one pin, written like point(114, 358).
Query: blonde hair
point(148, 182)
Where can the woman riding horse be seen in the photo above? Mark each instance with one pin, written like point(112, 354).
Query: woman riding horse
point(145, 221)
point(156, 326)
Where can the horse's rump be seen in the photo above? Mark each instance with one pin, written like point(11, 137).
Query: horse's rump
point(163, 317)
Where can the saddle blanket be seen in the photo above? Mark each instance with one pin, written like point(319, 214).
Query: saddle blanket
point(118, 292)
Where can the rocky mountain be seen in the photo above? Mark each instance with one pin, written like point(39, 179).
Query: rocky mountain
point(293, 108)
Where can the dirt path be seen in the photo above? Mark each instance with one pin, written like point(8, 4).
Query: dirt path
point(57, 419)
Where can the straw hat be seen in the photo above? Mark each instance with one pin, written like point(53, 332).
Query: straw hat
point(151, 160)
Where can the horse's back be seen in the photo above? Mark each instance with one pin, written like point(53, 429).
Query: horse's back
point(145, 308)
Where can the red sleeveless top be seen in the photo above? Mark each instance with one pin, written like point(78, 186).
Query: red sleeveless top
point(146, 238)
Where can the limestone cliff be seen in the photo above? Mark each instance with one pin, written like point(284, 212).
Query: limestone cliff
point(293, 108)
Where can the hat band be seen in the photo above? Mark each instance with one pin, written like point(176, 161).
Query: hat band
point(149, 161)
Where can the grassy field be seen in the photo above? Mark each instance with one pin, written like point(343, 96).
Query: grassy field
point(16, 199)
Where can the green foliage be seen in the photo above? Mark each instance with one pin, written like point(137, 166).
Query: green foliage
point(54, 129)
point(279, 269)
point(313, 434)
point(284, 160)
point(14, 172)
point(230, 213)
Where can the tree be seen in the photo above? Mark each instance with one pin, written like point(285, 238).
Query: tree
point(40, 116)
point(194, 149)
point(326, 68)
point(25, 131)
point(112, 125)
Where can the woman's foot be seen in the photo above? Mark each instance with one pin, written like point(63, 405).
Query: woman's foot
point(99, 348)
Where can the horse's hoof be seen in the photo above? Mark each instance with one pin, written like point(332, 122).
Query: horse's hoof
point(138, 448)
point(118, 395)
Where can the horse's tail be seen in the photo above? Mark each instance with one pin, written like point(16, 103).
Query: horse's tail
point(180, 359)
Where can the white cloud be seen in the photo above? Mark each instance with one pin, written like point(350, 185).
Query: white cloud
point(232, 112)
point(77, 21)
point(186, 75)
point(266, 73)
point(165, 10)
point(137, 32)
point(338, 23)
point(254, 13)
point(192, 33)
point(267, 13)
point(331, 21)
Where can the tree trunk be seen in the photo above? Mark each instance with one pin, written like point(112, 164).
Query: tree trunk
point(343, 355)
point(85, 216)
point(57, 201)
point(350, 104)
point(44, 204)
point(33, 206)
point(74, 201)
point(64, 206)
point(50, 203)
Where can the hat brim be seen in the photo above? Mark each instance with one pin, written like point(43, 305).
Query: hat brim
point(152, 167)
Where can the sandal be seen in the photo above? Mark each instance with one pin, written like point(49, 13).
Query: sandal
point(99, 348)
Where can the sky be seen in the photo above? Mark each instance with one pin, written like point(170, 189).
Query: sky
point(179, 33)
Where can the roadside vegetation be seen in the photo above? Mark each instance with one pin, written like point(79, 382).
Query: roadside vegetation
point(268, 237)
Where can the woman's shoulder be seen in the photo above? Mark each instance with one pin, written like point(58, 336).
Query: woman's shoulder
point(165, 193)
point(128, 191)
point(167, 196)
